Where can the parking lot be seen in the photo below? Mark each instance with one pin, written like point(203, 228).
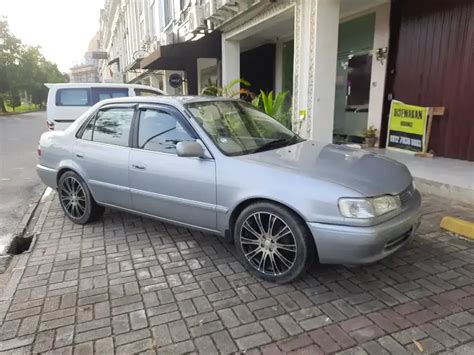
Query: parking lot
point(132, 285)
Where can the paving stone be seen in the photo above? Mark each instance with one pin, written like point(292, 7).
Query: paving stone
point(205, 345)
point(224, 342)
point(128, 284)
point(252, 341)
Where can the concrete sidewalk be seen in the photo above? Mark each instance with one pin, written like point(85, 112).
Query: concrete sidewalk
point(449, 178)
point(128, 284)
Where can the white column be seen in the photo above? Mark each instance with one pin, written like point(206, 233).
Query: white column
point(278, 66)
point(316, 37)
point(379, 69)
point(230, 61)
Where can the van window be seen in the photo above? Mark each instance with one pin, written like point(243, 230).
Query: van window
point(73, 97)
point(99, 94)
point(145, 92)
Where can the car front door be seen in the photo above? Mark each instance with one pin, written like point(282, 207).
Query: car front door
point(102, 153)
point(163, 184)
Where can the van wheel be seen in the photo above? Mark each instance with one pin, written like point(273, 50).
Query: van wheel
point(76, 199)
point(272, 242)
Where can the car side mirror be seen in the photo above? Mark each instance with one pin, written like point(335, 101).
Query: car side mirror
point(190, 149)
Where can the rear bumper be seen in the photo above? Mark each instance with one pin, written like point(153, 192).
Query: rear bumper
point(362, 245)
point(47, 175)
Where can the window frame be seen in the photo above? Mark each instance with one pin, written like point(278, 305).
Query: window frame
point(93, 117)
point(60, 104)
point(168, 109)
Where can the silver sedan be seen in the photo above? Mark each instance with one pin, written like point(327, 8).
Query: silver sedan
point(222, 166)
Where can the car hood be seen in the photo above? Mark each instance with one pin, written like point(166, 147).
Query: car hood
point(365, 172)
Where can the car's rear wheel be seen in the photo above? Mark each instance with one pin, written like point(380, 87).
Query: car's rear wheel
point(76, 199)
point(272, 242)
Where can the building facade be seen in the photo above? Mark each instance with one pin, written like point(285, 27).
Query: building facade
point(86, 71)
point(341, 61)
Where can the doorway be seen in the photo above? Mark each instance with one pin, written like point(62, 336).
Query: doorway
point(354, 65)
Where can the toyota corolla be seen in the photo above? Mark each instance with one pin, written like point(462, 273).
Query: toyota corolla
point(222, 166)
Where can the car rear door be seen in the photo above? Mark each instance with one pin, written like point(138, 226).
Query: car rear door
point(102, 153)
point(163, 184)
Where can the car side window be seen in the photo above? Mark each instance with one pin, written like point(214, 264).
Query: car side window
point(111, 126)
point(161, 131)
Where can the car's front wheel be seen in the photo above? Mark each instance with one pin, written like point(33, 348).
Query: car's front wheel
point(76, 199)
point(272, 242)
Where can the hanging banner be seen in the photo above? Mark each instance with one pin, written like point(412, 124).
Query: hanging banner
point(407, 126)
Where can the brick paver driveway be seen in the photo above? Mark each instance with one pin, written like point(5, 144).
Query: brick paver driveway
point(137, 285)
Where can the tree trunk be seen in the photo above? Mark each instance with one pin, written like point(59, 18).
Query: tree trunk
point(2, 105)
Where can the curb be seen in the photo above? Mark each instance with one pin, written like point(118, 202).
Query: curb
point(21, 229)
point(6, 114)
point(458, 226)
point(447, 191)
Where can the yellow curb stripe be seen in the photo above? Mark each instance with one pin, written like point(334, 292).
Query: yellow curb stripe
point(458, 226)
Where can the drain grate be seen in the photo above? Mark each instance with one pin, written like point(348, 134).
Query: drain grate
point(20, 244)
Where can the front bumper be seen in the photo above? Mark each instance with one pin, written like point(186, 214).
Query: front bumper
point(47, 175)
point(362, 245)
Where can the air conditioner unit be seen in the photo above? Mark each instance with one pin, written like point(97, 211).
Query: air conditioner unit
point(210, 9)
point(167, 38)
point(196, 18)
point(155, 45)
point(226, 4)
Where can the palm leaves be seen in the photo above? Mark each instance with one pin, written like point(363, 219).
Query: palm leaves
point(226, 91)
point(274, 107)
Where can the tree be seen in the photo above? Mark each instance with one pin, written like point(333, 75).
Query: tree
point(10, 51)
point(24, 69)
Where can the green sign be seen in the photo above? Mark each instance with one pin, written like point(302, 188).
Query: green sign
point(407, 127)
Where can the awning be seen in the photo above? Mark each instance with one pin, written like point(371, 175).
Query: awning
point(134, 65)
point(183, 55)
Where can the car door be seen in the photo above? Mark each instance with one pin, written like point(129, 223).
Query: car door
point(163, 184)
point(102, 153)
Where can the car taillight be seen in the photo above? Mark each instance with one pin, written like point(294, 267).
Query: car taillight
point(39, 150)
point(50, 125)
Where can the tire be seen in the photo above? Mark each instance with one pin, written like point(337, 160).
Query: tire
point(76, 199)
point(285, 244)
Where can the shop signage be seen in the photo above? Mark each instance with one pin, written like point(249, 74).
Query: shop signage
point(407, 127)
point(175, 80)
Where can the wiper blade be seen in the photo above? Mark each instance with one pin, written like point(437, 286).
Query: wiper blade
point(275, 143)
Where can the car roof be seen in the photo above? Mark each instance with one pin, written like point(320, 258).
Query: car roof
point(166, 99)
point(108, 85)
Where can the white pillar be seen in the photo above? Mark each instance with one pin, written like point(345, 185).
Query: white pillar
point(316, 38)
point(230, 61)
point(278, 66)
point(379, 68)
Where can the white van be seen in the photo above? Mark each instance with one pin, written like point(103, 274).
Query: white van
point(66, 102)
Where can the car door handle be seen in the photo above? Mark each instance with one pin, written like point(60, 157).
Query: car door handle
point(79, 155)
point(138, 167)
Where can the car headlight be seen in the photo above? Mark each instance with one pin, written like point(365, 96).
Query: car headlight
point(368, 207)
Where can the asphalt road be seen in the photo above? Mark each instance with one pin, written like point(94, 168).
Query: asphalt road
point(19, 184)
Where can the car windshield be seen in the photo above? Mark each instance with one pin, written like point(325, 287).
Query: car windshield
point(238, 128)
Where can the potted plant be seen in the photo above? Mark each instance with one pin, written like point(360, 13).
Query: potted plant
point(370, 135)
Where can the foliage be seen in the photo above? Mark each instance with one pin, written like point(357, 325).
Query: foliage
point(274, 107)
point(370, 132)
point(24, 69)
point(15, 100)
point(227, 91)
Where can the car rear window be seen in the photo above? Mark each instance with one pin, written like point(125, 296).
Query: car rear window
point(73, 97)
